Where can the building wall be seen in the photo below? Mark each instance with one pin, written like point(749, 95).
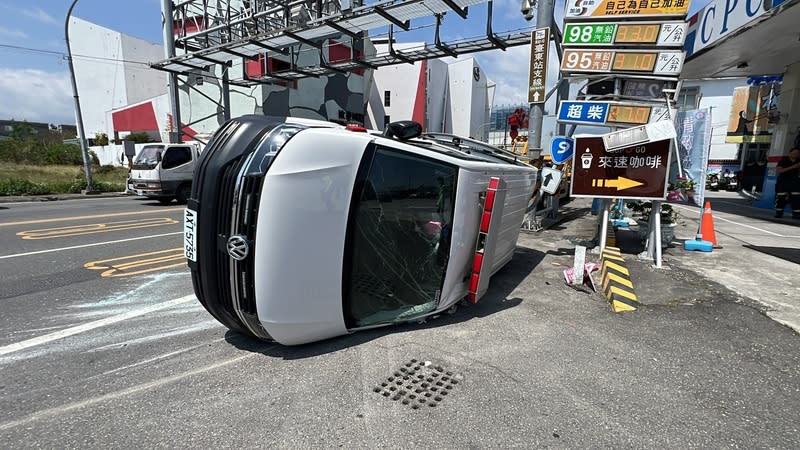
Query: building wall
point(437, 95)
point(461, 97)
point(403, 82)
point(104, 81)
point(716, 94)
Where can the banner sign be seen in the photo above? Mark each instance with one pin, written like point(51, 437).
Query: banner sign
point(694, 139)
point(537, 72)
point(637, 172)
point(659, 34)
point(629, 9)
point(754, 113)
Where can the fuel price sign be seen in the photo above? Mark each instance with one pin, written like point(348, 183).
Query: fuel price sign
point(659, 34)
point(625, 61)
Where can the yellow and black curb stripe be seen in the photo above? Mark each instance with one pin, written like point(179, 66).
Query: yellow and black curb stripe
point(611, 237)
point(616, 280)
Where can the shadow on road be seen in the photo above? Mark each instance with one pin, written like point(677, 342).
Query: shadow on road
point(788, 254)
point(495, 300)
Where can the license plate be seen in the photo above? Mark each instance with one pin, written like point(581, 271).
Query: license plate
point(190, 234)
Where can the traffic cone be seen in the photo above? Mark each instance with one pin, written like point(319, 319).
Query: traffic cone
point(707, 229)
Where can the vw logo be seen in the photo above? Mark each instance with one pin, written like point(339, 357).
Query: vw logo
point(238, 247)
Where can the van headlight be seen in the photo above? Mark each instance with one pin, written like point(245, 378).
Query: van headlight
point(269, 146)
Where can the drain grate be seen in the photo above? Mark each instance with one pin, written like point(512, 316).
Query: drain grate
point(419, 383)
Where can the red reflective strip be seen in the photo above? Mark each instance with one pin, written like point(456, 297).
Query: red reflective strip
point(494, 182)
point(488, 205)
point(472, 298)
point(477, 263)
point(487, 217)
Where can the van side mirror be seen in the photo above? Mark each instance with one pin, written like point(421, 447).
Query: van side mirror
point(403, 130)
point(159, 157)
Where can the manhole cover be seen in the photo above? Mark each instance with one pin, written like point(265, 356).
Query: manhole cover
point(419, 383)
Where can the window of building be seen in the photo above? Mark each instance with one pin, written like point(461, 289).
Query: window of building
point(387, 98)
point(400, 227)
point(386, 121)
point(688, 98)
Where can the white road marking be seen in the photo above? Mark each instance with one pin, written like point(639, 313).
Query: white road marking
point(51, 412)
point(96, 216)
point(15, 347)
point(156, 358)
point(17, 255)
point(742, 224)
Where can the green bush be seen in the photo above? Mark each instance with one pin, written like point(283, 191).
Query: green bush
point(66, 154)
point(139, 138)
point(16, 186)
point(30, 151)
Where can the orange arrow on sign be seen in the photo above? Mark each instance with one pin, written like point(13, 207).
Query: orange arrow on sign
point(621, 183)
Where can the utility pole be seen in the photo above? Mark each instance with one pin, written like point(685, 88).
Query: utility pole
point(87, 162)
point(174, 93)
point(544, 19)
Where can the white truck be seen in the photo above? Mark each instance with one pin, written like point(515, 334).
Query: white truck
point(164, 171)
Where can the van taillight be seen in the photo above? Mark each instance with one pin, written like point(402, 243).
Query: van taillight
point(356, 128)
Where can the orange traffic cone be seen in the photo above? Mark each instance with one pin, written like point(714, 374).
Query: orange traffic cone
point(707, 228)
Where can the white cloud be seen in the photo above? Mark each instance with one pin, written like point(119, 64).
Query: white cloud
point(36, 96)
point(12, 33)
point(509, 70)
point(39, 14)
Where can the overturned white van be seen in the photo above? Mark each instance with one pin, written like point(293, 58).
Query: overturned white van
point(300, 230)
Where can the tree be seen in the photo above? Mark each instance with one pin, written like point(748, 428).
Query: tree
point(21, 130)
point(100, 139)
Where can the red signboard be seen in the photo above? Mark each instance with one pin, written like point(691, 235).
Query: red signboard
point(638, 172)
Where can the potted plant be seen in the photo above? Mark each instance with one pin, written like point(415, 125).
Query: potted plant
point(669, 220)
point(681, 190)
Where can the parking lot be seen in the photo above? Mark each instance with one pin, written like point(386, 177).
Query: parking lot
point(102, 344)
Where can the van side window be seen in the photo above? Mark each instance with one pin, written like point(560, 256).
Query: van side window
point(176, 156)
point(400, 244)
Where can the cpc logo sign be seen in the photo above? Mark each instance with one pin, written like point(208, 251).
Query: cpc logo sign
point(724, 16)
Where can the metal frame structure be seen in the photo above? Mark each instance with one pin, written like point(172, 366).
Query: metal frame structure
point(224, 32)
point(221, 31)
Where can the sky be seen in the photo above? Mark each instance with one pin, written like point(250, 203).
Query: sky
point(34, 73)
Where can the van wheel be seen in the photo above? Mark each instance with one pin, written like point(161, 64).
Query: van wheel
point(165, 200)
point(182, 195)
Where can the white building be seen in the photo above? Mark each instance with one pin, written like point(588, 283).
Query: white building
point(444, 95)
point(111, 72)
point(120, 94)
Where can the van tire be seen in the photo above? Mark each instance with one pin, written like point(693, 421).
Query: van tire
point(183, 192)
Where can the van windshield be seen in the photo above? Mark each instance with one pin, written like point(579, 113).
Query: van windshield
point(400, 243)
point(148, 157)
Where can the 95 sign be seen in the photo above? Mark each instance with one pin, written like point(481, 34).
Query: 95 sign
point(630, 61)
point(659, 34)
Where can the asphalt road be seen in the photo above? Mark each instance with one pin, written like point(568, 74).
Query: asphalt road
point(103, 346)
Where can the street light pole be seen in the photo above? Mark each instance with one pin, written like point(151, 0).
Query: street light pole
point(87, 163)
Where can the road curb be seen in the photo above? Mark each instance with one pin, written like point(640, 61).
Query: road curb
point(616, 281)
point(58, 197)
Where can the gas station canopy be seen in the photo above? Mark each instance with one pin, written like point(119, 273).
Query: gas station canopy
point(742, 38)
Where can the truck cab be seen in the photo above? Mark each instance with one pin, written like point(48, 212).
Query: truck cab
point(164, 171)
